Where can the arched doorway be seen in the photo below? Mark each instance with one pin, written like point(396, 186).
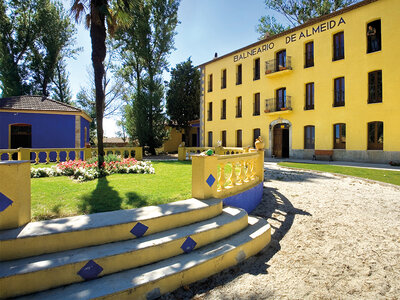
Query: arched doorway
point(20, 136)
point(281, 140)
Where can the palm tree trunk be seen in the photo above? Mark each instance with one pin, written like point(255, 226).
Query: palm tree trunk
point(98, 37)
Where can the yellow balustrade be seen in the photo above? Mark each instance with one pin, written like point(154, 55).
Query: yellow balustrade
point(122, 150)
point(8, 153)
point(185, 153)
point(211, 176)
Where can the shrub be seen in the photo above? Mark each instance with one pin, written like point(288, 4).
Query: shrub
point(88, 170)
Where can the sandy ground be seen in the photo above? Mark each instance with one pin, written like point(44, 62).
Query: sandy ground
point(333, 237)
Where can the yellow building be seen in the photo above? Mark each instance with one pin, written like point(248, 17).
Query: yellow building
point(326, 87)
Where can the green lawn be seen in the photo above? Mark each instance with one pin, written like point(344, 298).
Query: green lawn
point(54, 197)
point(392, 177)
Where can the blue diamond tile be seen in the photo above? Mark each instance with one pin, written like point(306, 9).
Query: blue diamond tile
point(139, 229)
point(4, 202)
point(188, 245)
point(210, 180)
point(90, 271)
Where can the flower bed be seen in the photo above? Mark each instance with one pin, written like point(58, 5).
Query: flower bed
point(83, 170)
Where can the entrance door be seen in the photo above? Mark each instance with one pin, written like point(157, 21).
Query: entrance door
point(281, 141)
point(194, 140)
point(21, 136)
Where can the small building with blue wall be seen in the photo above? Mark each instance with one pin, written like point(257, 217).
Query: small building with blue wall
point(40, 122)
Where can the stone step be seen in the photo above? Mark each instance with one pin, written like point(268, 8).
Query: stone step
point(57, 235)
point(47, 271)
point(151, 281)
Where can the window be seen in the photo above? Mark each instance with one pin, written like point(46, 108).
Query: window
point(256, 69)
point(280, 60)
point(309, 55)
point(374, 36)
point(375, 136)
point(280, 99)
point(339, 136)
point(309, 137)
point(239, 138)
point(223, 110)
point(338, 46)
point(339, 92)
point(210, 139)
point(210, 83)
point(375, 87)
point(223, 79)
point(256, 109)
point(256, 134)
point(239, 107)
point(309, 96)
point(223, 138)
point(239, 74)
point(209, 114)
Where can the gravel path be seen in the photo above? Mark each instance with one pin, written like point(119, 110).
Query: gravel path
point(333, 237)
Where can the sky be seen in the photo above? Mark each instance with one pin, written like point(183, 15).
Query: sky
point(206, 27)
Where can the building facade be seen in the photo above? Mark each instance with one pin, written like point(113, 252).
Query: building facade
point(39, 122)
point(330, 84)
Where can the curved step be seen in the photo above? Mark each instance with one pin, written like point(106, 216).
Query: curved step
point(151, 281)
point(87, 230)
point(47, 271)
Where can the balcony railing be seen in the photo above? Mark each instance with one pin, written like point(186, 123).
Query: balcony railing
point(272, 66)
point(278, 104)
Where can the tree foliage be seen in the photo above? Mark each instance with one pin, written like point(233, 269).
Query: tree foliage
point(34, 37)
point(144, 47)
point(61, 90)
point(269, 26)
point(297, 12)
point(183, 96)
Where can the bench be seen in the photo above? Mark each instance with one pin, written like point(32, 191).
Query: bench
point(323, 155)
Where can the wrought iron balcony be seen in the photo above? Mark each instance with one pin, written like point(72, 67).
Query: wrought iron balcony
point(278, 104)
point(273, 65)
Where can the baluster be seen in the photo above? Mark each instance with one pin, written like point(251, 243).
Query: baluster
point(222, 177)
point(232, 178)
point(9, 155)
point(252, 170)
point(76, 155)
point(58, 156)
point(129, 153)
point(241, 174)
point(47, 156)
point(67, 155)
point(247, 177)
point(37, 158)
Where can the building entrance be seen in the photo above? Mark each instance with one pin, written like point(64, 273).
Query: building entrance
point(281, 141)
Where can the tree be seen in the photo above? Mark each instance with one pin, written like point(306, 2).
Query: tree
point(98, 13)
point(34, 34)
point(269, 26)
point(183, 96)
point(297, 12)
point(61, 90)
point(144, 46)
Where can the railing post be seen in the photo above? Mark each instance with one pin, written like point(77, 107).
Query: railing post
point(181, 152)
point(87, 153)
point(15, 194)
point(219, 150)
point(24, 154)
point(204, 176)
point(259, 165)
point(139, 153)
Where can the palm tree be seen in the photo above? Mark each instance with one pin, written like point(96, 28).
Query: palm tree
point(97, 13)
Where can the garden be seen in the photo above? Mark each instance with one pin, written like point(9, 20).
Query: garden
point(79, 187)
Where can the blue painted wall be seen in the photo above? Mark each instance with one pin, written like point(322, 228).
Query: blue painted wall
point(48, 130)
point(248, 200)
